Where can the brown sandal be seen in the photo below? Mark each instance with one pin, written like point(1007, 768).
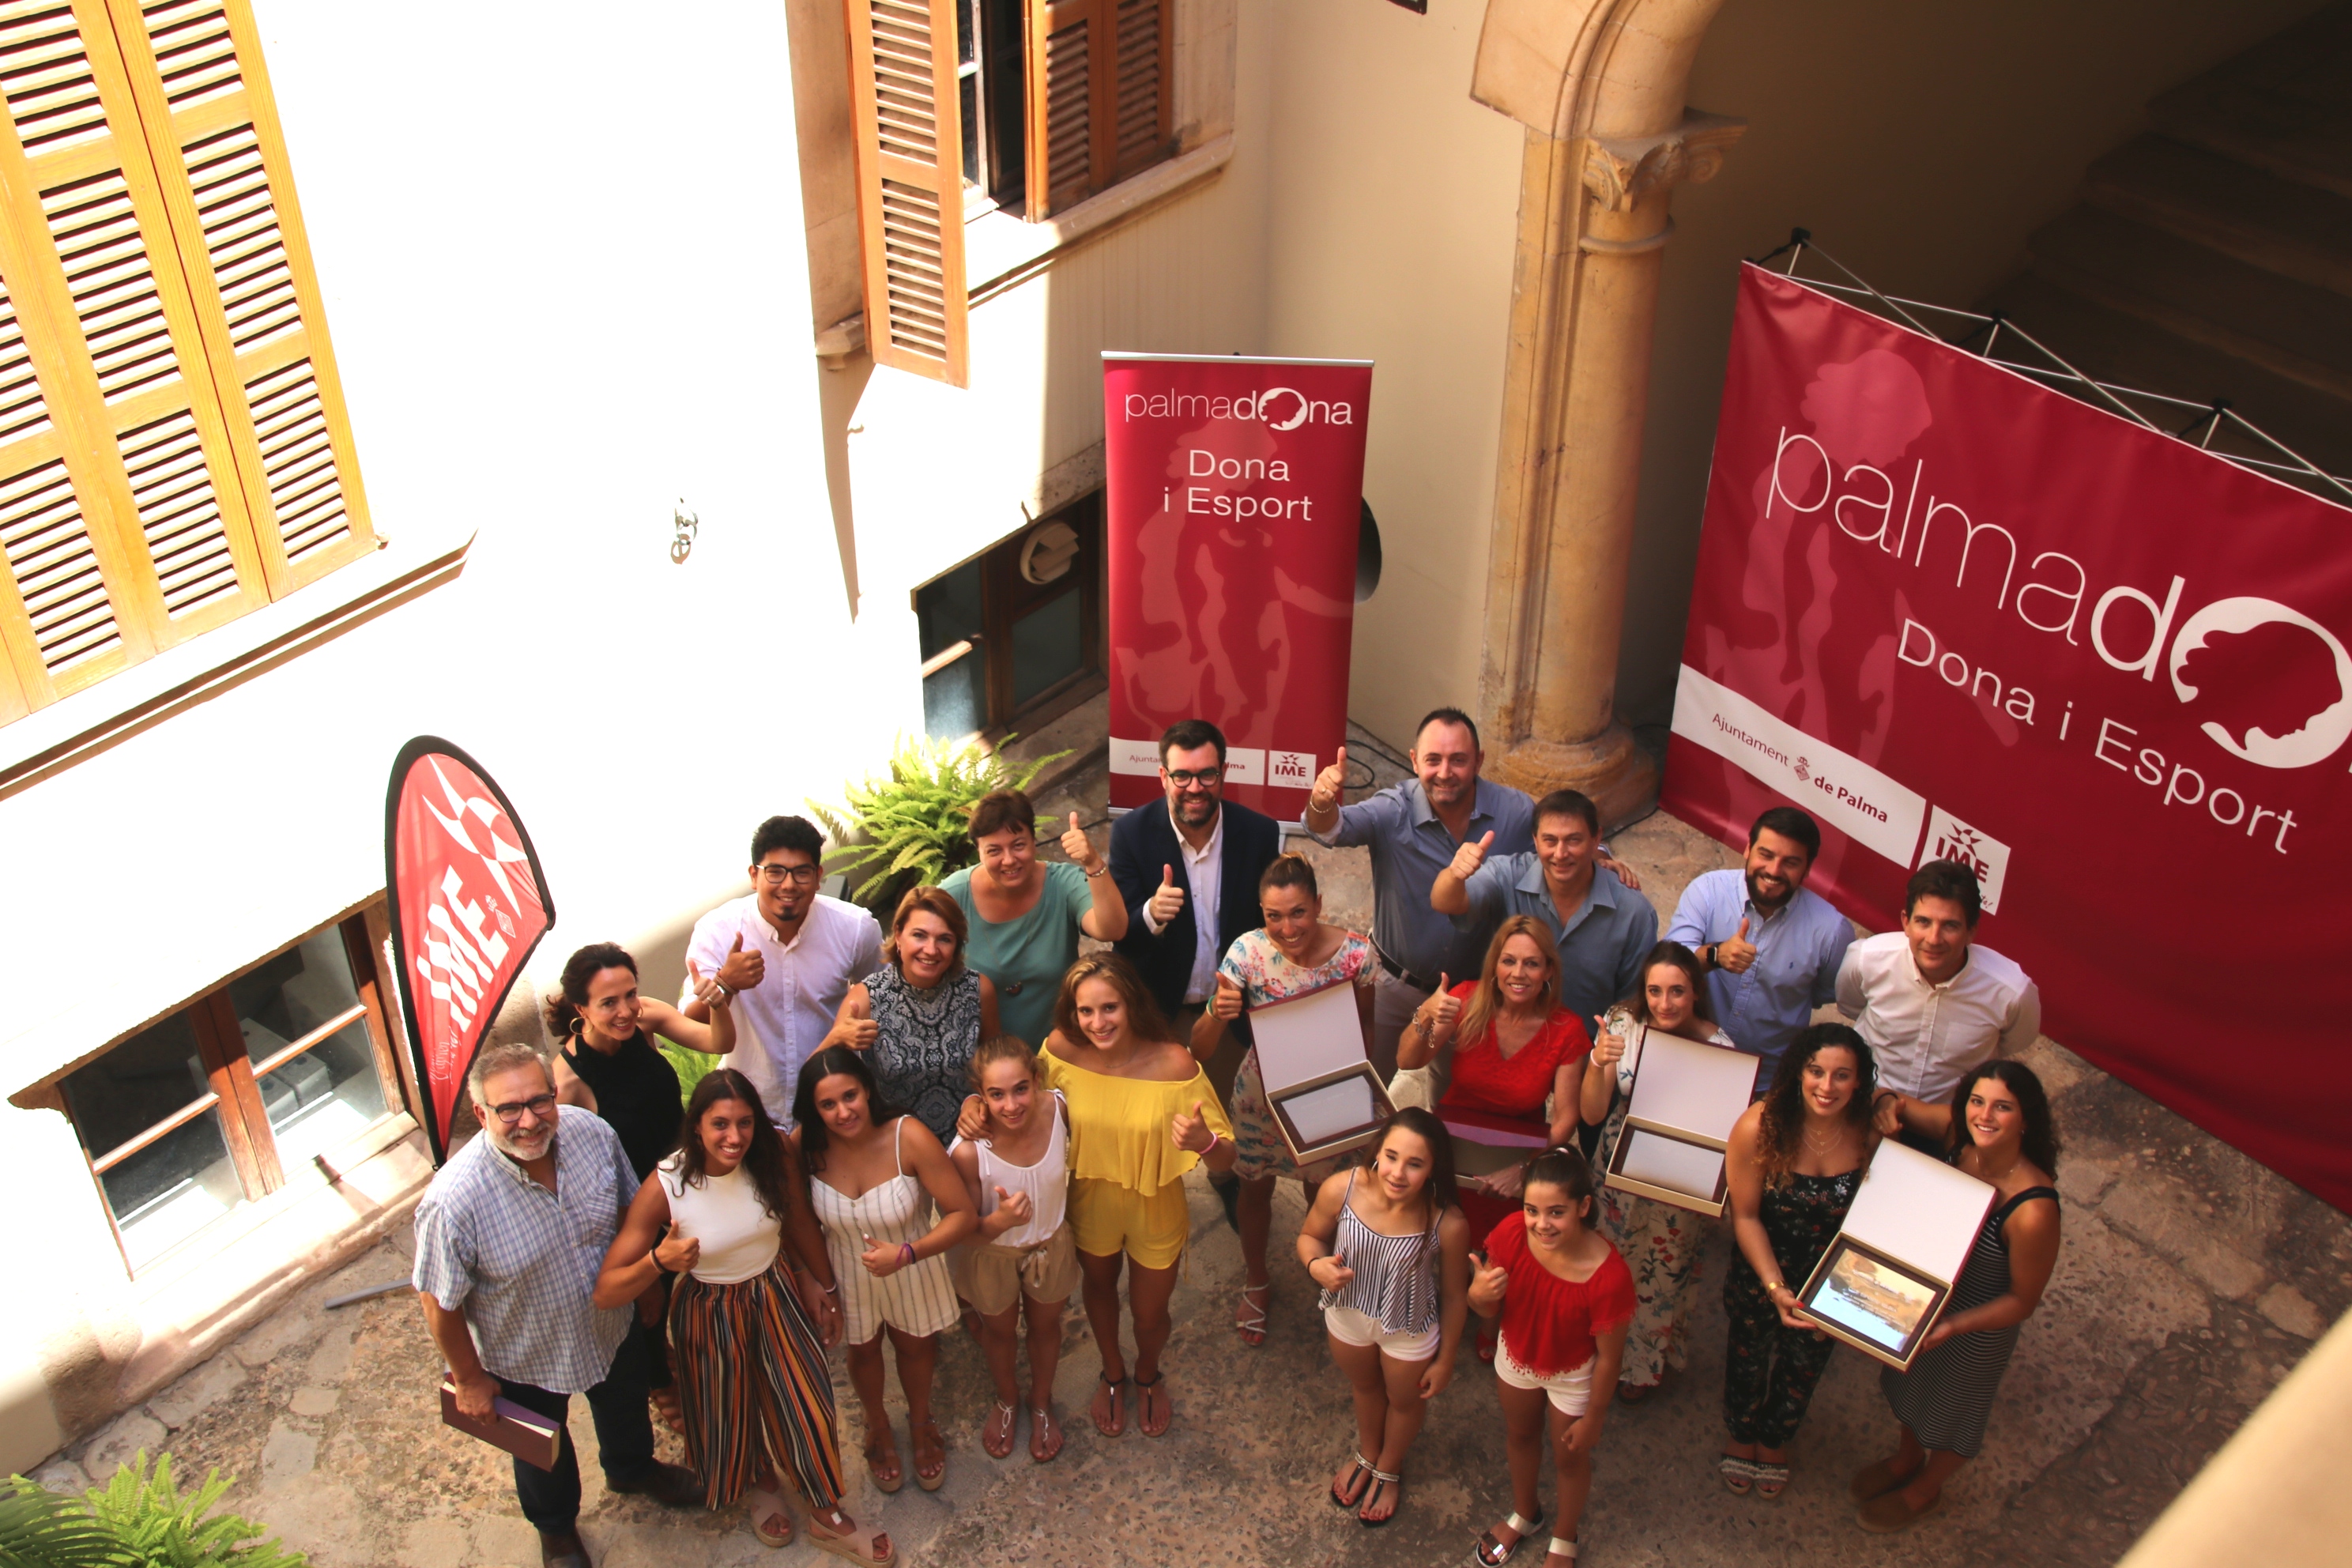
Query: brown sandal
point(1114, 1424)
point(936, 1477)
point(1144, 1392)
point(870, 1548)
point(886, 1446)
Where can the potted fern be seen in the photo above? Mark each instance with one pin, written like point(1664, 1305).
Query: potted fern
point(908, 825)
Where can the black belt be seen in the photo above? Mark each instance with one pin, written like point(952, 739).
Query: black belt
point(1402, 972)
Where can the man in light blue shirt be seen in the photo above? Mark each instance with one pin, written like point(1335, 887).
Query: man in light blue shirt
point(1770, 950)
point(1413, 830)
point(1604, 928)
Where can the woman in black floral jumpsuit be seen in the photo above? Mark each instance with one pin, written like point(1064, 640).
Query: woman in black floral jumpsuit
point(1793, 1163)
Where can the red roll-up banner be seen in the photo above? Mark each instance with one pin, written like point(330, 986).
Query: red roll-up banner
point(1232, 495)
point(1956, 614)
point(469, 905)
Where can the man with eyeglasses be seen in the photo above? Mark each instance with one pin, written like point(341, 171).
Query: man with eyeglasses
point(788, 954)
point(510, 1238)
point(1188, 868)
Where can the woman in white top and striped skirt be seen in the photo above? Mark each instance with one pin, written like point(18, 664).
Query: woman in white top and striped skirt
point(1390, 1250)
point(892, 1205)
point(1025, 1257)
point(727, 1211)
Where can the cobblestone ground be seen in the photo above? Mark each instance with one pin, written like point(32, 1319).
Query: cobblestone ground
point(2191, 1280)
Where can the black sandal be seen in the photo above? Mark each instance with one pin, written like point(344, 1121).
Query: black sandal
point(1363, 1467)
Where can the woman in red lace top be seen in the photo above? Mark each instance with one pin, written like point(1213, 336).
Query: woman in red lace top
point(1515, 1047)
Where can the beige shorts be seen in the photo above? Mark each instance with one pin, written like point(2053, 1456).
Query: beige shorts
point(1570, 1391)
point(1350, 1327)
point(992, 1277)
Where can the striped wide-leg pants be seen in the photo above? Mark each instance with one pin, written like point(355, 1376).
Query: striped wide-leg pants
point(752, 1382)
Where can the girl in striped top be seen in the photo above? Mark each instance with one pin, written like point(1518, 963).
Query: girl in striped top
point(1392, 1252)
point(873, 1179)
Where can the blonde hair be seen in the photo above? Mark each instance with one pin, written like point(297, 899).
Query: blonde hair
point(1002, 1048)
point(1486, 1003)
point(929, 900)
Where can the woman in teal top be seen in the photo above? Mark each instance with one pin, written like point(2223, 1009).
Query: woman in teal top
point(1026, 915)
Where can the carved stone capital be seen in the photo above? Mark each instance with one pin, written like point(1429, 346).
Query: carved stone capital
point(1620, 170)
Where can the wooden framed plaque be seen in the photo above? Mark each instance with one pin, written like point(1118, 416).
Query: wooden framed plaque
point(1888, 1274)
point(1687, 1095)
point(1323, 1094)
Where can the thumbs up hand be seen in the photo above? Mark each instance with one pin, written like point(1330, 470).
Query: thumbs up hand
point(1608, 1045)
point(1079, 848)
point(1443, 1009)
point(706, 987)
point(1012, 1211)
point(1192, 1133)
point(1470, 857)
point(741, 971)
point(1332, 1273)
point(1329, 784)
point(1488, 1283)
point(1167, 900)
point(677, 1252)
point(1736, 952)
point(1227, 1003)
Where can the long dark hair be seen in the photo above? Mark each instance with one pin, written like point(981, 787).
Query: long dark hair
point(2041, 1141)
point(768, 1162)
point(1782, 1125)
point(1682, 958)
point(832, 1062)
point(571, 994)
point(1565, 1167)
point(1425, 1126)
point(1144, 1019)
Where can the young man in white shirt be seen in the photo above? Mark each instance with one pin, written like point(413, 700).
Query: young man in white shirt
point(1931, 1002)
point(790, 955)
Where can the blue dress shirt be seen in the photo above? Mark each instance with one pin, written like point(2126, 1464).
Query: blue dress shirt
point(1600, 947)
point(1798, 949)
point(1410, 846)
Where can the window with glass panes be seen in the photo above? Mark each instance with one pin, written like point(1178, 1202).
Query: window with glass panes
point(1014, 635)
point(222, 1101)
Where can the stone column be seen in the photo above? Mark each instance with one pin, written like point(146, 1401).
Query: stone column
point(1599, 85)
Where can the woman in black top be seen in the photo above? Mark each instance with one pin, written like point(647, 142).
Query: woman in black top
point(608, 1063)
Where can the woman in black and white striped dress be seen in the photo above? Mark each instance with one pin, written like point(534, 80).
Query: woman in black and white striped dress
point(1996, 1128)
point(1390, 1250)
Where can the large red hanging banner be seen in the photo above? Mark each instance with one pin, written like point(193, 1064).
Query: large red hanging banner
point(469, 905)
point(1232, 494)
point(1956, 614)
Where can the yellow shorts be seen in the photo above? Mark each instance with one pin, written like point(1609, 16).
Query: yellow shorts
point(1112, 1218)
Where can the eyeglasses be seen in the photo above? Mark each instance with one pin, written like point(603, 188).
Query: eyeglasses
point(1205, 777)
point(799, 875)
point(541, 1106)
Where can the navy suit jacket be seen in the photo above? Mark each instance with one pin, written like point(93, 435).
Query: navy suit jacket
point(1141, 843)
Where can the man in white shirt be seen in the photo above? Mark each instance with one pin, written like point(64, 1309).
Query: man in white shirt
point(790, 955)
point(1930, 1002)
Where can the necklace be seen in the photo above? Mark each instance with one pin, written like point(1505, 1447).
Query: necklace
point(1821, 1146)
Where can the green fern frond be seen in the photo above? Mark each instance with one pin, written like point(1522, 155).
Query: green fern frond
point(38, 1530)
point(153, 1525)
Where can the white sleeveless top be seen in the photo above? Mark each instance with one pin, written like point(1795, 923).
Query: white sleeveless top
point(1048, 1182)
point(739, 1237)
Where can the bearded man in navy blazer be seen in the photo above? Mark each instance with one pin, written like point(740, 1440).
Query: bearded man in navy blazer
point(1187, 868)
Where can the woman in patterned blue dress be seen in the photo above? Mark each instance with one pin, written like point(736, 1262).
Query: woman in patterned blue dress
point(920, 1017)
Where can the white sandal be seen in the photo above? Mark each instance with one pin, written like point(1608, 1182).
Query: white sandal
point(1559, 1548)
point(1522, 1528)
point(1246, 1326)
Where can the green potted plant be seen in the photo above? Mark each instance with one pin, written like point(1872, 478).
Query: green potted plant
point(908, 825)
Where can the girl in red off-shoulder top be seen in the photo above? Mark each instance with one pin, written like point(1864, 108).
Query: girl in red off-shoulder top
point(1566, 1300)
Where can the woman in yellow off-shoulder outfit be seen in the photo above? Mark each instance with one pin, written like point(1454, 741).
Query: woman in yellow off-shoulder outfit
point(1141, 1114)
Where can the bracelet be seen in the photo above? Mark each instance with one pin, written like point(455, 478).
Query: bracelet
point(909, 1249)
point(1215, 1138)
point(1104, 871)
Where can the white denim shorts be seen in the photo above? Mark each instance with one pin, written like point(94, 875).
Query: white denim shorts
point(1350, 1327)
point(1570, 1391)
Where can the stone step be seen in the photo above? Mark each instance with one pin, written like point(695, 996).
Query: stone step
point(2131, 352)
point(2284, 105)
point(2287, 327)
point(2279, 224)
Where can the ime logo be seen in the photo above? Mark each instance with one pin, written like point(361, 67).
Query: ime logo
point(1291, 770)
point(1949, 838)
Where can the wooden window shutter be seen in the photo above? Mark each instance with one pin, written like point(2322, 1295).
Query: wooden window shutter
point(220, 158)
point(1100, 86)
point(910, 140)
point(163, 468)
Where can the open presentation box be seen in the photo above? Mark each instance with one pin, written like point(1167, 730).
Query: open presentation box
point(1324, 1097)
point(1888, 1274)
point(1687, 1097)
point(1485, 1144)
